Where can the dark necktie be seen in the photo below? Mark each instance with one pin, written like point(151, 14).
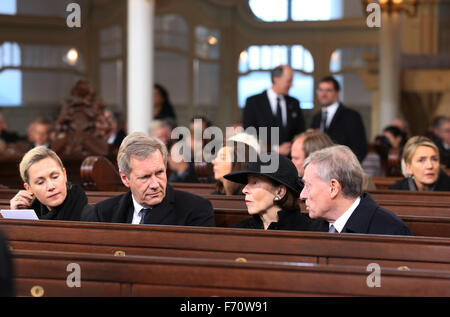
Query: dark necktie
point(323, 125)
point(279, 115)
point(143, 213)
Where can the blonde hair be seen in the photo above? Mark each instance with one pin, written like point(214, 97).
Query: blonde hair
point(412, 145)
point(33, 156)
point(139, 145)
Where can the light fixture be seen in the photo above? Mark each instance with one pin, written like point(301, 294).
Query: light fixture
point(71, 57)
point(408, 6)
point(243, 56)
point(212, 40)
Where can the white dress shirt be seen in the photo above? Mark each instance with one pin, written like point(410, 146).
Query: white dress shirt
point(137, 215)
point(342, 220)
point(331, 111)
point(273, 104)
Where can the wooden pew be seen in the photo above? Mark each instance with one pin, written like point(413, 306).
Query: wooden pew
point(385, 182)
point(106, 275)
point(229, 212)
point(227, 243)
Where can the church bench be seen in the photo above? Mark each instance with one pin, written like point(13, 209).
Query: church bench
point(404, 195)
point(107, 275)
point(432, 226)
point(228, 243)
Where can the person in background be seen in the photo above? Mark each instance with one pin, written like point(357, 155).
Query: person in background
point(39, 133)
point(313, 140)
point(232, 157)
point(161, 130)
point(421, 160)
point(335, 199)
point(271, 197)
point(162, 107)
point(47, 190)
point(275, 108)
point(441, 130)
point(6, 135)
point(342, 124)
point(182, 170)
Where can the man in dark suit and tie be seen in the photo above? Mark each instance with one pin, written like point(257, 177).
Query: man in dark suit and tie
point(142, 164)
point(342, 124)
point(334, 196)
point(274, 108)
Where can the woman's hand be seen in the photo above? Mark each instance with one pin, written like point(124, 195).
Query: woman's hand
point(22, 200)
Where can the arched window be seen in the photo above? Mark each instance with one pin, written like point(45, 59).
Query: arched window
point(256, 63)
point(10, 76)
point(296, 10)
point(8, 7)
point(344, 65)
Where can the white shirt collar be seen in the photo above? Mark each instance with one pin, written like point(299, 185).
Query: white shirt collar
point(272, 96)
point(137, 209)
point(331, 110)
point(342, 220)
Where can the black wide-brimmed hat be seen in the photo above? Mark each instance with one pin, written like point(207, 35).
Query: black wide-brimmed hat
point(285, 173)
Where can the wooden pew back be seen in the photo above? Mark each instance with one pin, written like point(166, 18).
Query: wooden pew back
point(227, 243)
point(106, 275)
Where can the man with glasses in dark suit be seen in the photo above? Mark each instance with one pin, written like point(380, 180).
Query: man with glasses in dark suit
point(342, 124)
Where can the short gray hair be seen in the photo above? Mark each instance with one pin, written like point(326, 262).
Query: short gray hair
point(340, 163)
point(138, 145)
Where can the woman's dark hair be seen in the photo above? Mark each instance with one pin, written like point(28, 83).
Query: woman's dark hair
point(238, 163)
point(396, 132)
point(289, 202)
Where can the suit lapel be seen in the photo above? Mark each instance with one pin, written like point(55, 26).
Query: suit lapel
point(336, 116)
point(125, 207)
point(163, 210)
point(359, 221)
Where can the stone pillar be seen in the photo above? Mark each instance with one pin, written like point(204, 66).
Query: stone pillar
point(140, 64)
point(389, 79)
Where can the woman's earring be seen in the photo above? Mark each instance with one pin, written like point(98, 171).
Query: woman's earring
point(277, 198)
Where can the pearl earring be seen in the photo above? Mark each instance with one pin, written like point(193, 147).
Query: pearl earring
point(277, 198)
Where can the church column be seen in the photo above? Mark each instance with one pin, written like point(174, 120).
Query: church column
point(140, 64)
point(389, 79)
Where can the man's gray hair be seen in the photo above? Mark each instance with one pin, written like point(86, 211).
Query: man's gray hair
point(340, 163)
point(138, 145)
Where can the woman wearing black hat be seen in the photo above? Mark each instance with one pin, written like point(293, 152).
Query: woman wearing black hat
point(271, 197)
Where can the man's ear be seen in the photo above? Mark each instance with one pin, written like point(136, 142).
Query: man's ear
point(124, 179)
point(335, 188)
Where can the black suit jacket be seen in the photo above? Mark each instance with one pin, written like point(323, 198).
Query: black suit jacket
point(178, 208)
point(346, 128)
point(369, 218)
point(258, 113)
point(442, 183)
point(6, 270)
